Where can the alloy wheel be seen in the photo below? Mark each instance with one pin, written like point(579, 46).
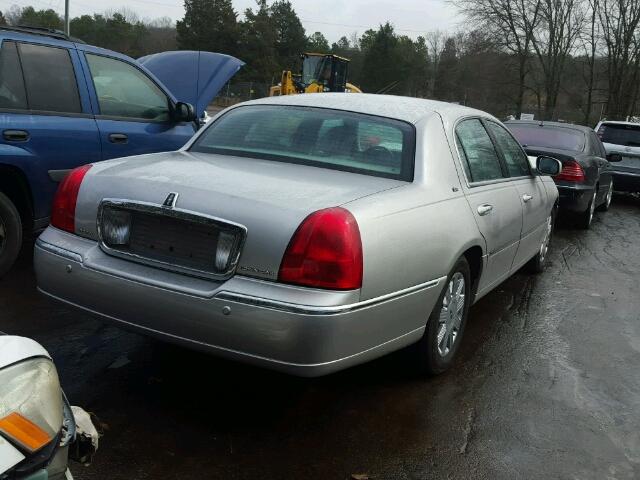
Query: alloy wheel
point(592, 206)
point(451, 314)
point(609, 194)
point(3, 235)
point(544, 247)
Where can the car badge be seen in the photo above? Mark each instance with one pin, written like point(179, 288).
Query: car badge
point(170, 201)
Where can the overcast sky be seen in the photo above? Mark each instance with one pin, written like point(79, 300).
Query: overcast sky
point(334, 18)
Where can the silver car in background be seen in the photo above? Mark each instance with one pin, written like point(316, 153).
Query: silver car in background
point(305, 233)
point(622, 139)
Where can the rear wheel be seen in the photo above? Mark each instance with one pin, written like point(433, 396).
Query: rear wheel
point(607, 201)
point(586, 218)
point(538, 263)
point(10, 234)
point(445, 327)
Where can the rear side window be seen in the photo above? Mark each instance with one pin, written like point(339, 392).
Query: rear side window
point(515, 158)
point(49, 78)
point(478, 152)
point(326, 138)
point(12, 93)
point(124, 91)
point(620, 134)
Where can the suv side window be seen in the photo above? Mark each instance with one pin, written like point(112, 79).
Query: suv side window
point(478, 151)
point(12, 94)
point(516, 160)
point(49, 78)
point(125, 91)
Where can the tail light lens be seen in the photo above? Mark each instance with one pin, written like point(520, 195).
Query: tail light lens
point(571, 172)
point(63, 213)
point(325, 252)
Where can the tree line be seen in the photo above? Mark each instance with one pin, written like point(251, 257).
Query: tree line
point(573, 60)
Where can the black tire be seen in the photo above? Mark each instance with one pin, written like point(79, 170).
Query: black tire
point(539, 261)
point(607, 199)
point(10, 234)
point(429, 357)
point(585, 219)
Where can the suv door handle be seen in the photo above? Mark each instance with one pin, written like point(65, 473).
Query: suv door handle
point(526, 197)
point(15, 135)
point(485, 209)
point(118, 138)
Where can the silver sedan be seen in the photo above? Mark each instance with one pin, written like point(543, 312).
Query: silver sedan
point(305, 233)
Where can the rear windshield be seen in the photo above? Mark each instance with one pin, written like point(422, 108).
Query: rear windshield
point(628, 135)
point(548, 137)
point(318, 137)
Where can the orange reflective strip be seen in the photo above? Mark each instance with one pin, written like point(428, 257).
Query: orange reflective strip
point(24, 432)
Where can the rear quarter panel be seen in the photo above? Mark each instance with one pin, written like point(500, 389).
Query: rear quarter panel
point(415, 234)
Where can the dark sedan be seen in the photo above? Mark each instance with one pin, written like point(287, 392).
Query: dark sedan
point(585, 183)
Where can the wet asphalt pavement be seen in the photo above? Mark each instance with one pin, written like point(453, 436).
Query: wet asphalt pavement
point(547, 385)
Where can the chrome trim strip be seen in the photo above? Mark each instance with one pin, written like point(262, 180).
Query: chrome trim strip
point(321, 310)
point(151, 208)
point(61, 252)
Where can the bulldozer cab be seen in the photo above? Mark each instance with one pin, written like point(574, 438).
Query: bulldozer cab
point(324, 73)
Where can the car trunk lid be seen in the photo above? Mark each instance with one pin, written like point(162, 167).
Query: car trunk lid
point(270, 199)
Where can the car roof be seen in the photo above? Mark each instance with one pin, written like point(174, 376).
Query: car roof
point(542, 124)
point(618, 122)
point(408, 109)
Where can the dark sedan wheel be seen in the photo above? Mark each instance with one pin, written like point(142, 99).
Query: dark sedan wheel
point(607, 200)
point(10, 234)
point(445, 327)
point(586, 218)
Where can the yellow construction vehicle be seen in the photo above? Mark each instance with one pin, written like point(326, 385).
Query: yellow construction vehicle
point(320, 73)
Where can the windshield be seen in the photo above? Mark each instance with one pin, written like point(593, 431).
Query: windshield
point(547, 136)
point(316, 69)
point(318, 137)
point(617, 134)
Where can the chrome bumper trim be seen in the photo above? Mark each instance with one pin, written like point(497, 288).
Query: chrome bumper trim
point(322, 310)
point(625, 174)
point(61, 252)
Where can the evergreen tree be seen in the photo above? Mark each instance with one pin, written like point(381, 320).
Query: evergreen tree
point(318, 43)
point(209, 25)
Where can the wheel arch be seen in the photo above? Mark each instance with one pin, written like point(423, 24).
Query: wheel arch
point(14, 184)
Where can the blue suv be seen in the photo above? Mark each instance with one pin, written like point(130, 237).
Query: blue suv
point(64, 103)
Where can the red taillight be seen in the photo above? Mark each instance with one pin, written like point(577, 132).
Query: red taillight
point(571, 172)
point(63, 213)
point(325, 252)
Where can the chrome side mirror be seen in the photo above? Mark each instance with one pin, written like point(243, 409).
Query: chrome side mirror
point(548, 166)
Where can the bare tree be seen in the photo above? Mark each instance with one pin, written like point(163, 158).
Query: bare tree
point(620, 21)
point(590, 42)
point(512, 23)
point(561, 23)
point(435, 45)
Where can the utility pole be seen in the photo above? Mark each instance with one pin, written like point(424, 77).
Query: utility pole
point(66, 17)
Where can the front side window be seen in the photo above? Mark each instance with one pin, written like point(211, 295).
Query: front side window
point(49, 78)
point(125, 91)
point(325, 138)
point(12, 93)
point(547, 136)
point(515, 158)
point(478, 152)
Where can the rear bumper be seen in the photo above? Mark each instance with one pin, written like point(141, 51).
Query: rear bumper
point(574, 198)
point(626, 181)
point(300, 331)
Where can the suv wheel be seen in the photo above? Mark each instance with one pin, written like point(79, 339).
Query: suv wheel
point(445, 327)
point(10, 234)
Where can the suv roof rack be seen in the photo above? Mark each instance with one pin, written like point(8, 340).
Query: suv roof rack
point(46, 32)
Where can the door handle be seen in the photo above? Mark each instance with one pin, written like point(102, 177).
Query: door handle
point(15, 135)
point(527, 198)
point(485, 209)
point(118, 138)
